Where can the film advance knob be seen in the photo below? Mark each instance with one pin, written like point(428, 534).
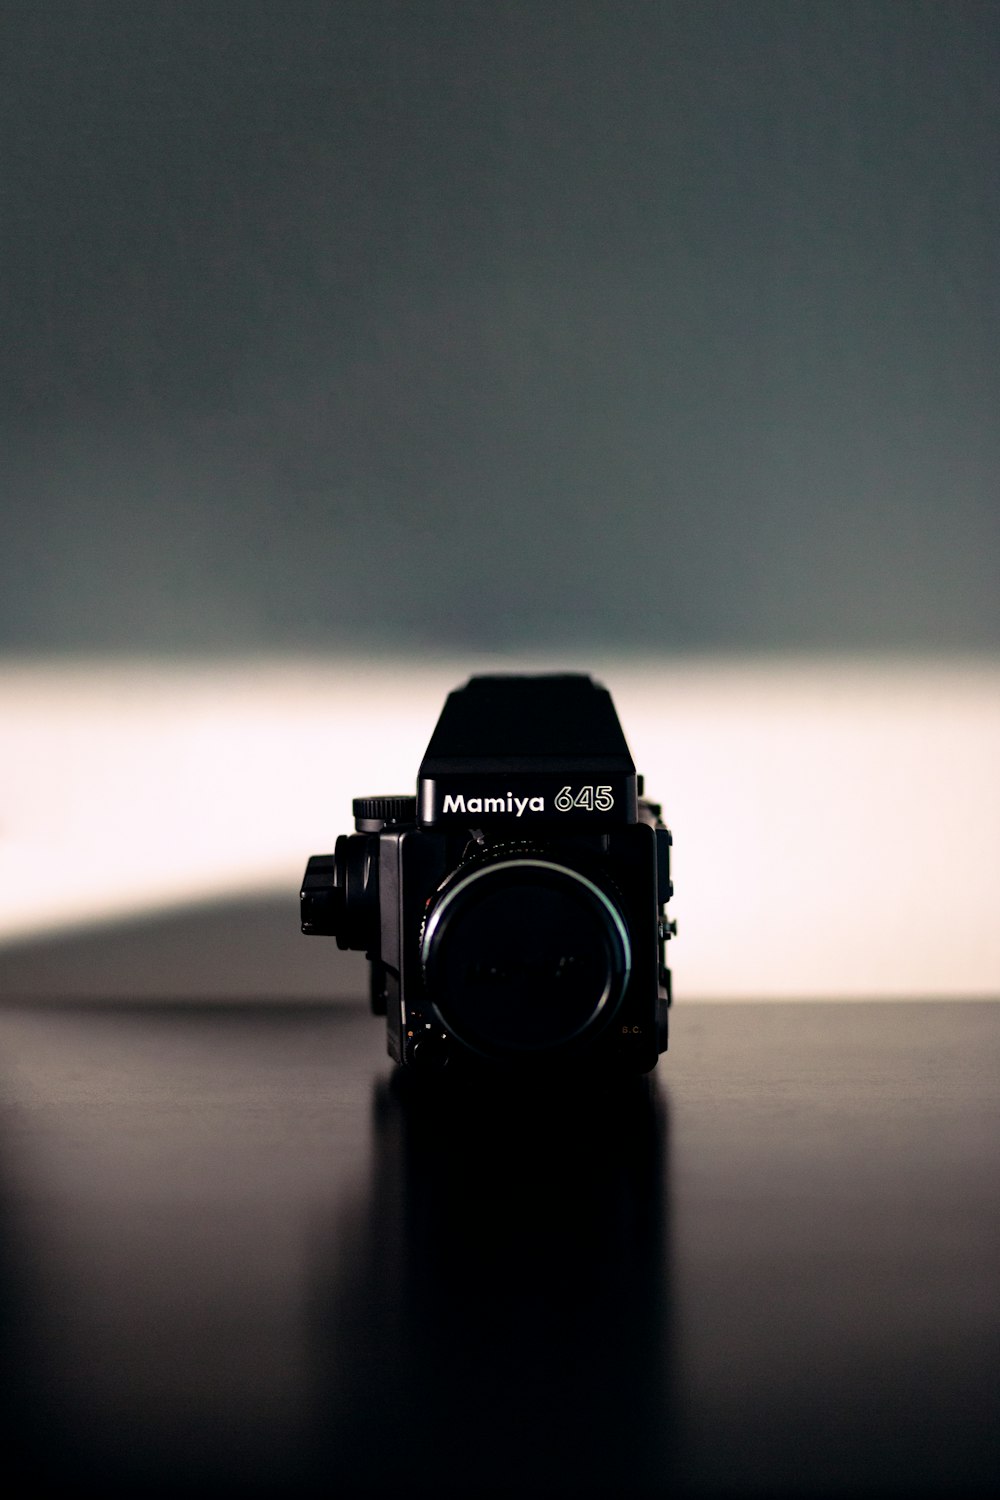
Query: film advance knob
point(321, 898)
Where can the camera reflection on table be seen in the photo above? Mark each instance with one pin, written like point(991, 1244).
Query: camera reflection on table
point(499, 1315)
point(240, 1255)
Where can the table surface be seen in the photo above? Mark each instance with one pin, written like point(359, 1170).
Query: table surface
point(236, 1256)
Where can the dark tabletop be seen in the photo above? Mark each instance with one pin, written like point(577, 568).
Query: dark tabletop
point(237, 1256)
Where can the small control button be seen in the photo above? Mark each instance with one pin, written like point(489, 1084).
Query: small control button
point(429, 1050)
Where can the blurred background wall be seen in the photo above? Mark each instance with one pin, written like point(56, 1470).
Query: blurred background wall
point(347, 347)
point(442, 325)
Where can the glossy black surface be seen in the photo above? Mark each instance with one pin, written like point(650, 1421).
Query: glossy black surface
point(237, 1256)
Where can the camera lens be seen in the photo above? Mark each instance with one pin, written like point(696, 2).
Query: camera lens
point(524, 956)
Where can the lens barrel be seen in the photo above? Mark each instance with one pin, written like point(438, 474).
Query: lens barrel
point(525, 956)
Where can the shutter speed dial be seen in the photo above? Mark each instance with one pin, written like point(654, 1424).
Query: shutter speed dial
point(372, 814)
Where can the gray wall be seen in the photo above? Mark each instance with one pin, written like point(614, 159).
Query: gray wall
point(470, 325)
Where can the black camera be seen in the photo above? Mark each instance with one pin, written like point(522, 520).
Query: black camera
point(513, 911)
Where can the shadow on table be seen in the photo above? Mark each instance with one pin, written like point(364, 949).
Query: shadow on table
point(245, 949)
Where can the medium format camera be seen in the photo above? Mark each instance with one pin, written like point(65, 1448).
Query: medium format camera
point(513, 910)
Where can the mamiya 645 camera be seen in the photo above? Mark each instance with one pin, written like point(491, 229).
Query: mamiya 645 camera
point(514, 909)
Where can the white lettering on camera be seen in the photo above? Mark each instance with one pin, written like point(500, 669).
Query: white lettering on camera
point(589, 798)
point(510, 804)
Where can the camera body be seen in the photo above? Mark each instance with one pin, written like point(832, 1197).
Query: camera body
point(513, 911)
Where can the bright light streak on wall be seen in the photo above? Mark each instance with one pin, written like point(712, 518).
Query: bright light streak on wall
point(836, 822)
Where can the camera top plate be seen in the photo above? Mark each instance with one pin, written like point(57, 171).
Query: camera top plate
point(528, 750)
